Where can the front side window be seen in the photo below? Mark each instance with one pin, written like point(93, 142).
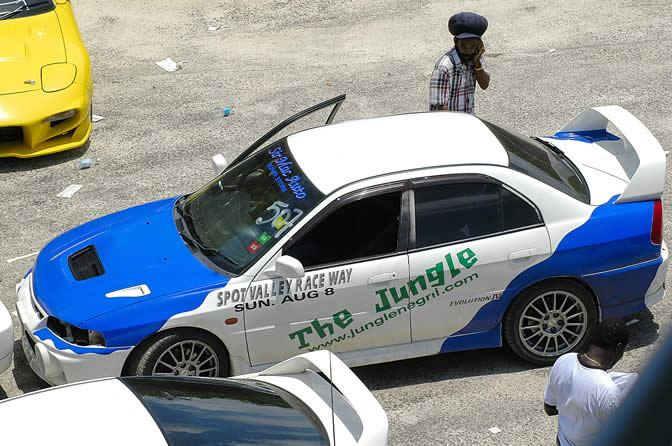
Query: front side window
point(450, 212)
point(248, 208)
point(539, 162)
point(365, 227)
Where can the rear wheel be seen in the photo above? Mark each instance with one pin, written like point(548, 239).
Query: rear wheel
point(181, 353)
point(549, 320)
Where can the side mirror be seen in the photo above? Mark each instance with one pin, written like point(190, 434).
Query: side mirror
point(61, 2)
point(219, 164)
point(287, 267)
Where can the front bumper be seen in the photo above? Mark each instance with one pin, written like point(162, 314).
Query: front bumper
point(23, 132)
point(6, 338)
point(66, 363)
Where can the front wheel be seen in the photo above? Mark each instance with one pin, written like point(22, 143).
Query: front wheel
point(549, 320)
point(181, 353)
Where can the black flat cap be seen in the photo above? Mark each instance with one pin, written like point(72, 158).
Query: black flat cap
point(467, 24)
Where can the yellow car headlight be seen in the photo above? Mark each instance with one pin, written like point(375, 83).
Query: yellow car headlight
point(58, 76)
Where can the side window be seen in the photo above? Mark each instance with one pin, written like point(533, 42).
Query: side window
point(362, 228)
point(446, 213)
point(516, 212)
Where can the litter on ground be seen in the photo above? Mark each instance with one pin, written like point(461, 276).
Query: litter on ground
point(69, 191)
point(168, 64)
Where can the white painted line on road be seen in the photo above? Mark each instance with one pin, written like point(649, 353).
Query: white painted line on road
point(495, 430)
point(632, 321)
point(69, 191)
point(96, 118)
point(23, 257)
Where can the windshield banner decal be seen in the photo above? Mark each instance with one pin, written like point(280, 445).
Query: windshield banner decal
point(285, 178)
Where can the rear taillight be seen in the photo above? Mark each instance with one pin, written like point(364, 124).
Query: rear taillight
point(657, 223)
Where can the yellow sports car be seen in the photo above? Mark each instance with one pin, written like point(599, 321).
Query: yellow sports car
point(45, 79)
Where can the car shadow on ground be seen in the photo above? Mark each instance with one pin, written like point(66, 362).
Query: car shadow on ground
point(8, 165)
point(446, 366)
point(644, 330)
point(491, 361)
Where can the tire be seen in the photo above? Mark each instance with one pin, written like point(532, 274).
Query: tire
point(180, 353)
point(548, 320)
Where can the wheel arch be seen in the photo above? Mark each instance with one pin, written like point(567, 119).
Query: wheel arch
point(574, 279)
point(143, 345)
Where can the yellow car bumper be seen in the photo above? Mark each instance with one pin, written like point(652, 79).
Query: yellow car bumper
point(24, 132)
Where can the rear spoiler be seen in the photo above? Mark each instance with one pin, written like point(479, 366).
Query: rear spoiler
point(341, 377)
point(639, 153)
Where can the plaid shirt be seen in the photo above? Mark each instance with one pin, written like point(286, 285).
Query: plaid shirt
point(453, 83)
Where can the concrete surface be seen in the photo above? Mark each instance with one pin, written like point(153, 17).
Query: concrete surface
point(271, 59)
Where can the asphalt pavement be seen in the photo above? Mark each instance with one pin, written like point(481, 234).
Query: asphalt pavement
point(271, 59)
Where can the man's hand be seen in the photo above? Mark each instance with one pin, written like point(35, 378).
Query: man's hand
point(477, 57)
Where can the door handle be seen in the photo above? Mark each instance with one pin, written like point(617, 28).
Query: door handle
point(524, 254)
point(386, 277)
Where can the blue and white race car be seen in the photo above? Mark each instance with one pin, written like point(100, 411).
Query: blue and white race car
point(374, 239)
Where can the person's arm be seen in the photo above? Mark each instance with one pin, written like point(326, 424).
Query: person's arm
point(439, 89)
point(550, 400)
point(482, 76)
point(550, 410)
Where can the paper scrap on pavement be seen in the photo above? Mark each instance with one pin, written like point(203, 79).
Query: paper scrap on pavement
point(69, 191)
point(168, 64)
point(96, 118)
point(495, 430)
point(214, 27)
point(23, 257)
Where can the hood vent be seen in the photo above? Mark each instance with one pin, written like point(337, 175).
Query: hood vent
point(85, 264)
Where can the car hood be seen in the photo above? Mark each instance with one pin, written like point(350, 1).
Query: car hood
point(138, 248)
point(26, 45)
point(602, 171)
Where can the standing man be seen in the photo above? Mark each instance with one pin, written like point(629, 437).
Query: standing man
point(581, 392)
point(454, 78)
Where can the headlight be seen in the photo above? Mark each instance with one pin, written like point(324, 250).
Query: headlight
point(60, 116)
point(58, 76)
point(75, 335)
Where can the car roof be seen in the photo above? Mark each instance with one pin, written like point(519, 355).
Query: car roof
point(338, 154)
point(106, 410)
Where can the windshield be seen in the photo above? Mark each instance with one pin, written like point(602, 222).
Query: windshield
point(22, 8)
point(243, 212)
point(538, 161)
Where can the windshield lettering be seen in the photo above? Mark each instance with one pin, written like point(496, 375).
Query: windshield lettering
point(284, 165)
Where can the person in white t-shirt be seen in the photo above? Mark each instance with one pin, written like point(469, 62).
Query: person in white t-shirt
point(580, 391)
